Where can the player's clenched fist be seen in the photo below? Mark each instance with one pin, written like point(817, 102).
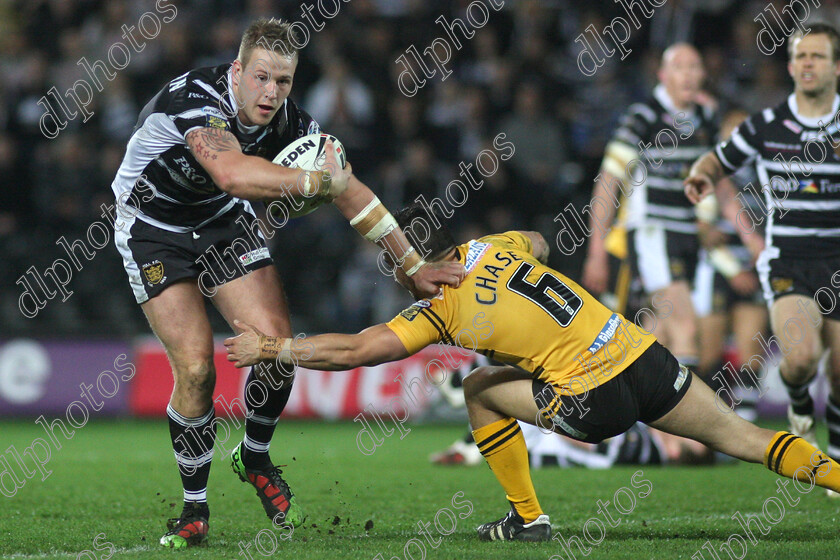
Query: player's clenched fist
point(697, 186)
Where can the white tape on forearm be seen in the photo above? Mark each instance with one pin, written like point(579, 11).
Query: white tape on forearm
point(411, 271)
point(707, 210)
point(724, 262)
point(365, 211)
point(405, 255)
point(307, 184)
point(285, 354)
point(383, 227)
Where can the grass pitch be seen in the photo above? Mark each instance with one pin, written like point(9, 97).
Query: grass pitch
point(118, 480)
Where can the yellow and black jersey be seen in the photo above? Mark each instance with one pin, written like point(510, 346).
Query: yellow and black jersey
point(514, 309)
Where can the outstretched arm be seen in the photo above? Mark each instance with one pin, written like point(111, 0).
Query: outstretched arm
point(703, 176)
point(254, 178)
point(375, 223)
point(333, 352)
point(244, 176)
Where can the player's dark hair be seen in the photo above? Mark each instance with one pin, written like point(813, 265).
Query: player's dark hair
point(438, 239)
point(818, 29)
point(270, 34)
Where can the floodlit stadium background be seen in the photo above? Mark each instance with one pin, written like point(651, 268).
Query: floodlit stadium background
point(518, 75)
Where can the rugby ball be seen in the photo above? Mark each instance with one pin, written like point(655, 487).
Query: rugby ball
point(306, 153)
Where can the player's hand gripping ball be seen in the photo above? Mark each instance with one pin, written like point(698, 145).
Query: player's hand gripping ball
point(307, 153)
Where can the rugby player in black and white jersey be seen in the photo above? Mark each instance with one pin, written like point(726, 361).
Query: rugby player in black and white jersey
point(201, 150)
point(666, 134)
point(802, 256)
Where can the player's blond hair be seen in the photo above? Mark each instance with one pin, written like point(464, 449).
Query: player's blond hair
point(817, 29)
point(271, 34)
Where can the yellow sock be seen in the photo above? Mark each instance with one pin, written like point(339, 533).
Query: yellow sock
point(793, 457)
point(503, 446)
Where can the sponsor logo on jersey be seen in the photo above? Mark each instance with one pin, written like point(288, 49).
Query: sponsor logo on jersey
point(254, 256)
point(808, 187)
point(815, 135)
point(827, 186)
point(154, 272)
point(792, 126)
point(198, 95)
point(782, 146)
point(606, 334)
point(411, 312)
point(474, 254)
point(188, 171)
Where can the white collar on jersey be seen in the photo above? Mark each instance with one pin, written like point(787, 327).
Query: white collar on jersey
point(245, 129)
point(813, 122)
point(661, 95)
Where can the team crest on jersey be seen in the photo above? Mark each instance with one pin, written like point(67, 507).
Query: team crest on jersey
point(411, 312)
point(215, 118)
point(781, 285)
point(154, 272)
point(314, 128)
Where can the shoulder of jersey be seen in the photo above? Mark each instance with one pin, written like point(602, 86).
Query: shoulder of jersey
point(772, 114)
point(645, 110)
point(200, 84)
point(302, 120)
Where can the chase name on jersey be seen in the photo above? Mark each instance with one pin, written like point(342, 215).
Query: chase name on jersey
point(487, 276)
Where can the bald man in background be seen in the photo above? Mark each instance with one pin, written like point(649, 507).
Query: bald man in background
point(642, 172)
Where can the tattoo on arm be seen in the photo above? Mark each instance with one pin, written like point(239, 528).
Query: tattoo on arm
point(270, 347)
point(208, 142)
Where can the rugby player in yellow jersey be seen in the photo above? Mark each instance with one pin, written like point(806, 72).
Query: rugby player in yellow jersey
point(578, 367)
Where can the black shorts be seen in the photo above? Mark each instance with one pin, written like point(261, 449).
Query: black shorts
point(713, 293)
point(813, 278)
point(214, 254)
point(644, 392)
point(661, 257)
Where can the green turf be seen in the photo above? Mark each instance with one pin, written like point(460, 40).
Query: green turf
point(119, 478)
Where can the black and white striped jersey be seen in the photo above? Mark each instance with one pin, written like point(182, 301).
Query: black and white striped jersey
point(666, 141)
point(157, 158)
point(799, 175)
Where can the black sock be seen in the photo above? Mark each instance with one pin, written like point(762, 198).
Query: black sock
point(800, 398)
point(265, 402)
point(193, 440)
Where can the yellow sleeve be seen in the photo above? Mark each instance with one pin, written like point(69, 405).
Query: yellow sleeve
point(510, 240)
point(415, 327)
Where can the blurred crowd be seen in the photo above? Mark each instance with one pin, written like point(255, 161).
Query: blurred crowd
point(518, 75)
